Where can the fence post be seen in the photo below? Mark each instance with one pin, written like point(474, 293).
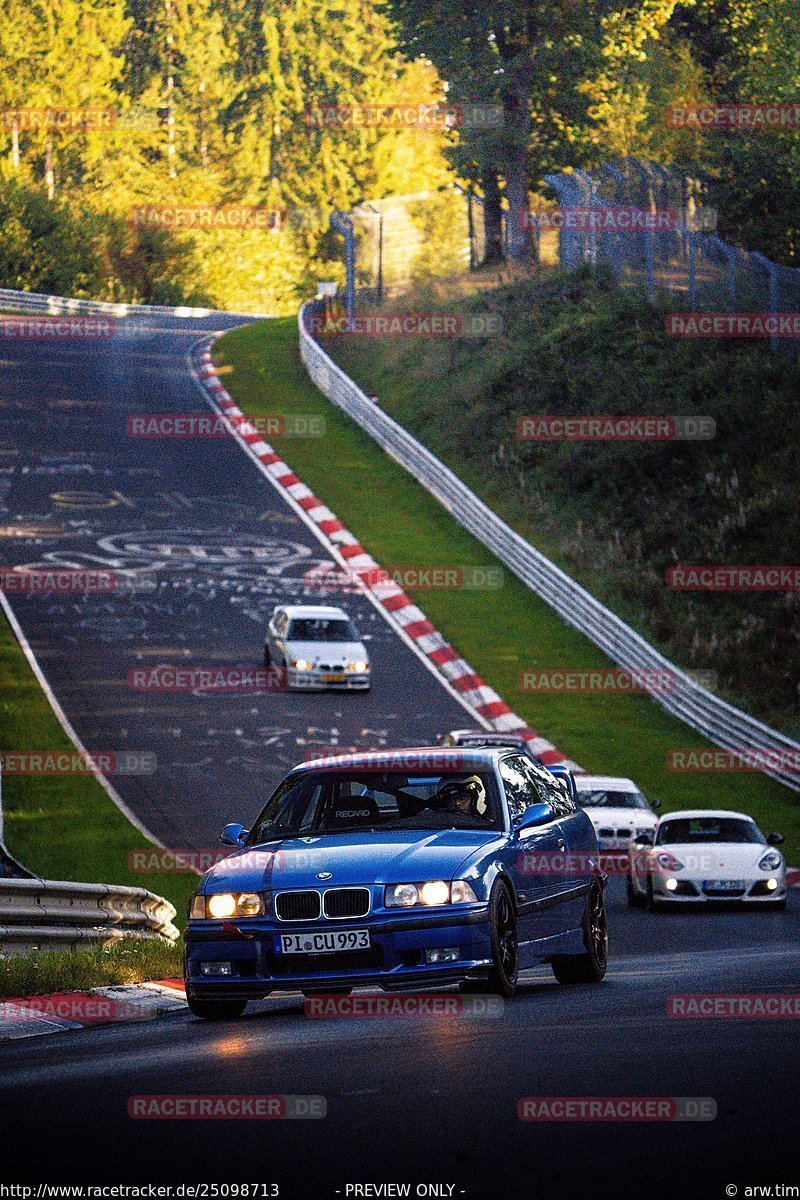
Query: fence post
point(772, 274)
point(343, 224)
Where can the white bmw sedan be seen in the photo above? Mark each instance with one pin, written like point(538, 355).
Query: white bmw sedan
point(616, 808)
point(317, 647)
point(703, 855)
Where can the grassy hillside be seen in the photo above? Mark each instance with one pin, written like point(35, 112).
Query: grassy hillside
point(616, 515)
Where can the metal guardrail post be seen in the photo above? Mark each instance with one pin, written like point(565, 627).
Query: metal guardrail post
point(343, 224)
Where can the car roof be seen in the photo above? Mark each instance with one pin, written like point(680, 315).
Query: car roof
point(411, 758)
point(590, 783)
point(311, 610)
point(696, 813)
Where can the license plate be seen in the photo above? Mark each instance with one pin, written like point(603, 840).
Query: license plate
point(723, 885)
point(333, 678)
point(328, 942)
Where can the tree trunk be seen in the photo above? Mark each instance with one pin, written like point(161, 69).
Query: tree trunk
point(49, 172)
point(516, 112)
point(492, 217)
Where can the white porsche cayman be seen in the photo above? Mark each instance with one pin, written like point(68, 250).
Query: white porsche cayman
point(704, 855)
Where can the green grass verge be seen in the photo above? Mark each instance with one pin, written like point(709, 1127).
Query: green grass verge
point(500, 632)
point(64, 826)
point(132, 960)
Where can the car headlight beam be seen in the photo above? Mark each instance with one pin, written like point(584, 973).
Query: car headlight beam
point(301, 664)
point(432, 894)
point(223, 905)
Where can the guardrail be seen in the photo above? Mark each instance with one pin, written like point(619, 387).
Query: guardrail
point(39, 914)
point(36, 303)
point(722, 723)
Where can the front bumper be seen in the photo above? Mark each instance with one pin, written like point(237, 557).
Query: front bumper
point(323, 681)
point(692, 891)
point(395, 960)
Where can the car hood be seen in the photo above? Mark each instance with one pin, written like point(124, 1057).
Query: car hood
point(328, 652)
point(392, 856)
point(637, 818)
point(718, 860)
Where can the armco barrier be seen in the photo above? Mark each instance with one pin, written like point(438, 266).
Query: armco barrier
point(38, 914)
point(720, 722)
point(37, 304)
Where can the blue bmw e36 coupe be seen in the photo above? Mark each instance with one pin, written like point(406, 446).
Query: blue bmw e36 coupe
point(398, 869)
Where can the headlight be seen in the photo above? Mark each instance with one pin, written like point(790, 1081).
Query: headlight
point(227, 904)
point(643, 829)
point(302, 664)
point(772, 861)
point(434, 892)
point(359, 667)
point(668, 862)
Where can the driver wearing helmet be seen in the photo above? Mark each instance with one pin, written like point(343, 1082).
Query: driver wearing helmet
point(466, 796)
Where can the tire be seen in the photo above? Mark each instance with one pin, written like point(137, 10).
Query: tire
point(589, 967)
point(634, 899)
point(505, 947)
point(215, 1010)
point(650, 902)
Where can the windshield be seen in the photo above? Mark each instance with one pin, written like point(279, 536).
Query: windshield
point(610, 799)
point(341, 801)
point(321, 629)
point(684, 830)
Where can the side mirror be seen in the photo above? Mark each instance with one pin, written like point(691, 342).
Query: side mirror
point(366, 637)
point(775, 839)
point(644, 839)
point(535, 814)
point(655, 804)
point(233, 834)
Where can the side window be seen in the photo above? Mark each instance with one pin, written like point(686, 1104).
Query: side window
point(550, 789)
point(559, 797)
point(518, 785)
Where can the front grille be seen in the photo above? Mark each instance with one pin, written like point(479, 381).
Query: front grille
point(297, 906)
point(624, 832)
point(315, 964)
point(606, 832)
point(346, 902)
